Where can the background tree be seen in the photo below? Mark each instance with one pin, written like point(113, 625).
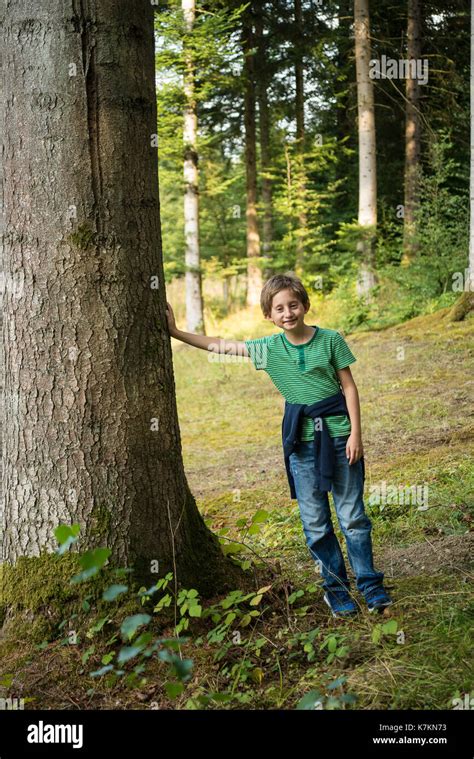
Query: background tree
point(194, 308)
point(465, 304)
point(254, 272)
point(367, 146)
point(412, 132)
point(219, 104)
point(300, 134)
point(471, 224)
point(264, 78)
point(330, 201)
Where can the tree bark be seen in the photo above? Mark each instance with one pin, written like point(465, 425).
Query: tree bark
point(463, 306)
point(412, 134)
point(289, 194)
point(367, 148)
point(91, 427)
point(470, 272)
point(2, 289)
point(254, 272)
point(194, 306)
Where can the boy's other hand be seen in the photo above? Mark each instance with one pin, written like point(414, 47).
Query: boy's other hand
point(354, 448)
point(171, 318)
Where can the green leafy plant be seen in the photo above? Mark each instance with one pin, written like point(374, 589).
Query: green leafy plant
point(334, 645)
point(333, 697)
point(138, 646)
point(386, 629)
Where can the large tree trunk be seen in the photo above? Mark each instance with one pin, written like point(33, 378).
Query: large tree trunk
point(265, 157)
point(412, 134)
point(367, 148)
point(194, 310)
point(91, 428)
point(300, 141)
point(471, 193)
point(2, 288)
point(254, 272)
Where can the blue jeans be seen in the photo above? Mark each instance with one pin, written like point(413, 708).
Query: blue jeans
point(347, 490)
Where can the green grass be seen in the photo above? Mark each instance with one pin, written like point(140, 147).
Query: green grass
point(415, 384)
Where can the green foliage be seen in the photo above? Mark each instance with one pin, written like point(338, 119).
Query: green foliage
point(442, 222)
point(131, 624)
point(315, 645)
point(129, 662)
point(247, 528)
point(113, 591)
point(91, 562)
point(145, 645)
point(388, 628)
point(315, 184)
point(334, 645)
point(294, 196)
point(336, 698)
point(66, 536)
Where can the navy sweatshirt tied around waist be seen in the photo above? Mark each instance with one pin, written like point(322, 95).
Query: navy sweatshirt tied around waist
point(324, 454)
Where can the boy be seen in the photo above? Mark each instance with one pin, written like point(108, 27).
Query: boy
point(321, 435)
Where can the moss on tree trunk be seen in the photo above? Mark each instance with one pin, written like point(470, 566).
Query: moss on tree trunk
point(462, 307)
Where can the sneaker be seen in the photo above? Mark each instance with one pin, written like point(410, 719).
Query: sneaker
point(341, 605)
point(377, 599)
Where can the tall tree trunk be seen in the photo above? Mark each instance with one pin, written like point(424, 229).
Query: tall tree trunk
point(345, 102)
point(265, 157)
point(254, 272)
point(471, 194)
point(412, 134)
point(194, 309)
point(289, 195)
point(465, 304)
point(300, 142)
point(91, 428)
point(2, 288)
point(267, 193)
point(367, 148)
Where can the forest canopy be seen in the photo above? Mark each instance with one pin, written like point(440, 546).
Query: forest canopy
point(295, 60)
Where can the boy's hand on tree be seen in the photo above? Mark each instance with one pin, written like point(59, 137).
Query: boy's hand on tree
point(354, 448)
point(171, 319)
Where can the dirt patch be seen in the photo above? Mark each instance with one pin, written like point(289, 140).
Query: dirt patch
point(242, 470)
point(431, 557)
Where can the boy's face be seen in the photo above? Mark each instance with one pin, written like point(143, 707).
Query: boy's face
point(287, 311)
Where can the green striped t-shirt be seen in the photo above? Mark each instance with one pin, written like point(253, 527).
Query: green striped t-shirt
point(305, 373)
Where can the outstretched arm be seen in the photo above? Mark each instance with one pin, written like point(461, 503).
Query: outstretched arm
point(213, 344)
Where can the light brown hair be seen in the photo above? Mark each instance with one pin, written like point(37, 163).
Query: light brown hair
point(279, 282)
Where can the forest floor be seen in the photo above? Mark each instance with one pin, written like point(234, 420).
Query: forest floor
point(416, 383)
